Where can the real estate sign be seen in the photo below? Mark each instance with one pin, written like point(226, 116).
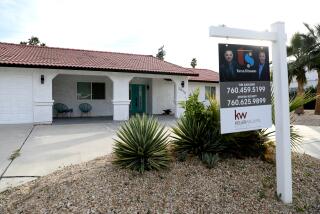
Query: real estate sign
point(245, 91)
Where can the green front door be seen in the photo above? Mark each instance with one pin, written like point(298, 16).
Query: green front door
point(137, 95)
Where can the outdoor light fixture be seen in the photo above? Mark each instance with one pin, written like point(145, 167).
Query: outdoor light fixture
point(182, 84)
point(42, 79)
point(147, 87)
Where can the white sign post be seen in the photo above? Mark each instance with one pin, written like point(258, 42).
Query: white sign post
point(280, 83)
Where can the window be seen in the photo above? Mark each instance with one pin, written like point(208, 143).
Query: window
point(210, 91)
point(91, 91)
point(84, 90)
point(98, 91)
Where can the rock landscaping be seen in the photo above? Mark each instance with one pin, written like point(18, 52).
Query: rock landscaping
point(232, 186)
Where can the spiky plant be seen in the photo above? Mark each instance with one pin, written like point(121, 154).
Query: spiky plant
point(294, 103)
point(141, 145)
point(197, 131)
point(210, 159)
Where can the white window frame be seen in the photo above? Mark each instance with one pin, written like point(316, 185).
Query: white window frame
point(210, 87)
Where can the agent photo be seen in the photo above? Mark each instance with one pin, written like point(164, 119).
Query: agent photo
point(263, 72)
point(228, 67)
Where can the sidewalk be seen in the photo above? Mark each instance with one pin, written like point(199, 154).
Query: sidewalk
point(311, 140)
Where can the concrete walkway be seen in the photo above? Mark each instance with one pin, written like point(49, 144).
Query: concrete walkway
point(311, 140)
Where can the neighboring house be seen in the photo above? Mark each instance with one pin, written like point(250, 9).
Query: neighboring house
point(33, 78)
point(312, 81)
point(207, 82)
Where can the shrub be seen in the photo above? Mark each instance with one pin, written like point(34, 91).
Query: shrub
point(182, 156)
point(141, 145)
point(210, 159)
point(244, 144)
point(196, 132)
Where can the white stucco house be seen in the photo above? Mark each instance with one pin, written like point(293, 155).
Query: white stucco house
point(312, 81)
point(33, 79)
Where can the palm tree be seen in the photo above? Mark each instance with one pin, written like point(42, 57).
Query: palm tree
point(313, 36)
point(298, 49)
point(193, 62)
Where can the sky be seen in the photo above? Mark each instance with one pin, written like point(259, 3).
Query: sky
point(142, 26)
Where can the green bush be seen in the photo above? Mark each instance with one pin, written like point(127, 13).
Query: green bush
point(198, 132)
point(141, 145)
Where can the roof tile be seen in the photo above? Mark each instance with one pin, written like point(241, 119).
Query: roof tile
point(49, 57)
point(205, 75)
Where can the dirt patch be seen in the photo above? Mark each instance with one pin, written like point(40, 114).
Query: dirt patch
point(233, 186)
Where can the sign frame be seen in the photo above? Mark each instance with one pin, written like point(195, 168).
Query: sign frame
point(280, 83)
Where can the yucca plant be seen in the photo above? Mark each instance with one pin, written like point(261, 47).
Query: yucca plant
point(141, 145)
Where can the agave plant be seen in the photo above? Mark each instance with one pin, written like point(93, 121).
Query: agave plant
point(210, 160)
point(141, 145)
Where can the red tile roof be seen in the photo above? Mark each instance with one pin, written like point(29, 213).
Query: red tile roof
point(205, 75)
point(48, 57)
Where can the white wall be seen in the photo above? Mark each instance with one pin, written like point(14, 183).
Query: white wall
point(65, 91)
point(16, 97)
point(23, 99)
point(312, 80)
point(162, 96)
point(201, 85)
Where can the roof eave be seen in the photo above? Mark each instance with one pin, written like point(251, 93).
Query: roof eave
point(94, 69)
point(208, 81)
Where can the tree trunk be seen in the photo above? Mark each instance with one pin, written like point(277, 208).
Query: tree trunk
point(300, 92)
point(317, 108)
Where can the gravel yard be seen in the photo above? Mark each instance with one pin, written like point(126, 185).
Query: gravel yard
point(234, 186)
point(308, 118)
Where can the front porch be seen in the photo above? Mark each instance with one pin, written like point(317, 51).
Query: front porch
point(117, 96)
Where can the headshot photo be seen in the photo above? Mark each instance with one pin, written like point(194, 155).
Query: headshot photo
point(263, 72)
point(227, 68)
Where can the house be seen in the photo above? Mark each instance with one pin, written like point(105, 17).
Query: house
point(33, 78)
point(311, 81)
point(207, 82)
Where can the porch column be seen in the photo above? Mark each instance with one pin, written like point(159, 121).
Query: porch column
point(121, 100)
point(180, 94)
point(42, 97)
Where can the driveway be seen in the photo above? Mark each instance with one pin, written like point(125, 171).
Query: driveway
point(51, 147)
point(11, 139)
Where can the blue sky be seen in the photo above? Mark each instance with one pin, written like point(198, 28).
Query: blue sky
point(142, 26)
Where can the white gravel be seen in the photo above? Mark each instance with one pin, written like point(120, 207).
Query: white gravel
point(234, 186)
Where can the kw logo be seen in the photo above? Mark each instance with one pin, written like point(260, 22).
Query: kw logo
point(240, 115)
